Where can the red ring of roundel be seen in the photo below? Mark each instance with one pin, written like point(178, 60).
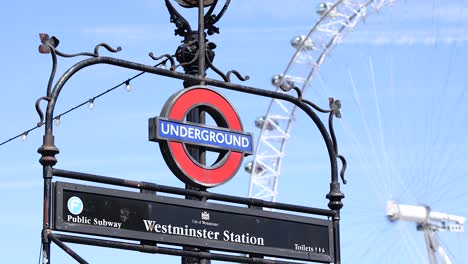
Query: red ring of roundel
point(205, 176)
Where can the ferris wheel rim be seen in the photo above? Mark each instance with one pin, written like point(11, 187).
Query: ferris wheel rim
point(321, 58)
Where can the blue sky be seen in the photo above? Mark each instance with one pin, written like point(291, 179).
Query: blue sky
point(401, 76)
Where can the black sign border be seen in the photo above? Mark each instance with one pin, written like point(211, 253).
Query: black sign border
point(60, 225)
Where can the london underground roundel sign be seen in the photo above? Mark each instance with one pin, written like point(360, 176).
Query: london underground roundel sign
point(176, 135)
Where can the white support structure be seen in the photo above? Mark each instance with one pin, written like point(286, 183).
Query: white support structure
point(429, 223)
point(336, 19)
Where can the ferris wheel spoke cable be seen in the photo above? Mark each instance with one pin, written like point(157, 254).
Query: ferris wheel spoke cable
point(388, 171)
point(385, 177)
point(386, 163)
point(363, 159)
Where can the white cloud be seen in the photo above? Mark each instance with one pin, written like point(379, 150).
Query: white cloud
point(408, 37)
point(379, 35)
point(404, 23)
point(443, 13)
point(255, 30)
point(276, 9)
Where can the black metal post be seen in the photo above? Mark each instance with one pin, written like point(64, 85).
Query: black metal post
point(336, 237)
point(201, 40)
point(65, 248)
point(197, 116)
point(48, 152)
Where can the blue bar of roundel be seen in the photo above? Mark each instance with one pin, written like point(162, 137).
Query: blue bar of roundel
point(187, 133)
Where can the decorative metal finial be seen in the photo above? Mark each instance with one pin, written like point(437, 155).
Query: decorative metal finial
point(194, 3)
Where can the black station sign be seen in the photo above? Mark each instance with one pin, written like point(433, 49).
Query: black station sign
point(161, 219)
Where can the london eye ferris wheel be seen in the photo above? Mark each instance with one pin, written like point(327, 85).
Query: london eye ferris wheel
point(406, 156)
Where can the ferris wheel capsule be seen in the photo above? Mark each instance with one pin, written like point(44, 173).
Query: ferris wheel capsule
point(260, 121)
point(279, 81)
point(276, 80)
point(302, 42)
point(323, 7)
point(249, 167)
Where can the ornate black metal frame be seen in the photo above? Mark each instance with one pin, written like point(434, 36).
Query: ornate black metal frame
point(188, 55)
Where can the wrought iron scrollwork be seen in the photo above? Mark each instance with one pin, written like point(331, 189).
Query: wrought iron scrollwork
point(210, 19)
point(182, 25)
point(50, 44)
point(47, 43)
point(39, 110)
point(89, 54)
point(189, 52)
point(310, 103)
point(335, 106)
point(168, 58)
point(107, 47)
point(47, 46)
point(238, 75)
point(343, 168)
point(187, 55)
point(216, 70)
point(209, 61)
point(226, 77)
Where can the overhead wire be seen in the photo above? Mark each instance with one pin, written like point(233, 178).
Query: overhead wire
point(126, 82)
